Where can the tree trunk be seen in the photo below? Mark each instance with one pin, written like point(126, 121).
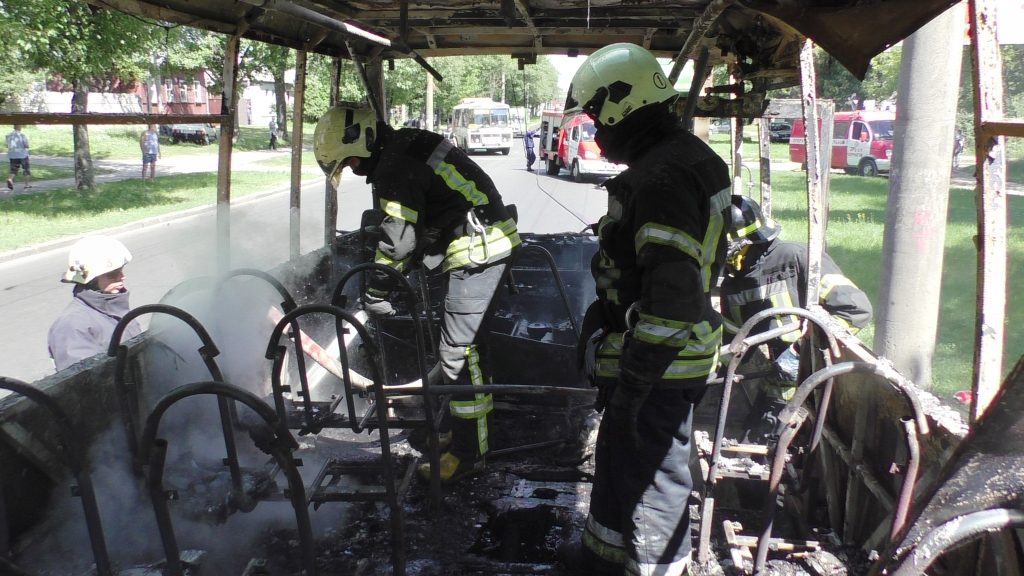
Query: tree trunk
point(907, 314)
point(84, 174)
point(282, 103)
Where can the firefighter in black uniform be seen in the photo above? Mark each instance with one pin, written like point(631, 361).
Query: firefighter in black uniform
point(652, 335)
point(440, 209)
point(762, 272)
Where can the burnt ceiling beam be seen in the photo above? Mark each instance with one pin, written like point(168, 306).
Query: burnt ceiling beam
point(155, 12)
point(616, 13)
point(700, 28)
point(476, 31)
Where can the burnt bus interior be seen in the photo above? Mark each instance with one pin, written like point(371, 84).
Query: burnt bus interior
point(264, 425)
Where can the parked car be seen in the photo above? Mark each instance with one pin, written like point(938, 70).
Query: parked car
point(779, 131)
point(195, 133)
point(718, 126)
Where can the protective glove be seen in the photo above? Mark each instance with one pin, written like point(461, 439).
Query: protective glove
point(624, 408)
point(377, 306)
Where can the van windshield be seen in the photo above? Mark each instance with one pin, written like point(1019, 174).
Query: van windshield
point(587, 131)
point(882, 129)
point(492, 117)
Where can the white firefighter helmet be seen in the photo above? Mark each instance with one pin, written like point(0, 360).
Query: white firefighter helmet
point(94, 256)
point(343, 132)
point(616, 81)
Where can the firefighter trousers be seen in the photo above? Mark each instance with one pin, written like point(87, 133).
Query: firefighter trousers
point(639, 522)
point(466, 303)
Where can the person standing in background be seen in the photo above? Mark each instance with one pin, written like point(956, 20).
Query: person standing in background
point(531, 157)
point(149, 143)
point(273, 134)
point(17, 153)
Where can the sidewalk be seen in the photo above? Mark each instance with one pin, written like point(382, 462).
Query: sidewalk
point(123, 169)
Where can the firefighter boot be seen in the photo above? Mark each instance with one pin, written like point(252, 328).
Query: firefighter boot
point(464, 457)
point(418, 440)
point(454, 468)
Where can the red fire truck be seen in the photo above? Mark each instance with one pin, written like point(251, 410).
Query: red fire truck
point(567, 141)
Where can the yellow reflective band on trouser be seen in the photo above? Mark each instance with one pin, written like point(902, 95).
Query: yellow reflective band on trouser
point(698, 359)
point(397, 210)
point(604, 542)
point(500, 237)
point(480, 405)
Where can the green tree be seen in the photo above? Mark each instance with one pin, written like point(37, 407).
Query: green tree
point(261, 58)
point(79, 44)
point(16, 78)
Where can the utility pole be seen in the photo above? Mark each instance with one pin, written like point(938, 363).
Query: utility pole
point(907, 311)
point(428, 112)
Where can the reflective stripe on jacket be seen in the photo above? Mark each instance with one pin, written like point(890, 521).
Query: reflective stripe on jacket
point(437, 201)
point(778, 277)
point(662, 246)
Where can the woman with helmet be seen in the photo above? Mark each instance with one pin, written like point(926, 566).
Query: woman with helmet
point(762, 272)
point(439, 210)
point(99, 301)
point(654, 335)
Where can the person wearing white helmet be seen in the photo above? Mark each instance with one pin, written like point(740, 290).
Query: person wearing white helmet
point(439, 209)
point(651, 339)
point(99, 301)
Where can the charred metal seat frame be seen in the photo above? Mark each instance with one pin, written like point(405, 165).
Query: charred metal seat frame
point(739, 346)
point(954, 533)
point(75, 457)
point(790, 421)
point(154, 452)
point(375, 417)
point(128, 395)
point(432, 407)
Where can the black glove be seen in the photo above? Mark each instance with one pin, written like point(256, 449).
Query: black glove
point(624, 408)
point(377, 306)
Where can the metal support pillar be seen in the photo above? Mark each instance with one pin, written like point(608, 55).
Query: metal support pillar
point(990, 162)
point(815, 223)
point(330, 194)
point(229, 107)
point(295, 205)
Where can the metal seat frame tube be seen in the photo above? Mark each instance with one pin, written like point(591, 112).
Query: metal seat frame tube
point(741, 343)
point(431, 413)
point(74, 456)
point(208, 351)
point(342, 317)
point(789, 415)
point(153, 450)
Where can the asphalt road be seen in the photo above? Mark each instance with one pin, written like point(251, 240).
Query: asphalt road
point(172, 249)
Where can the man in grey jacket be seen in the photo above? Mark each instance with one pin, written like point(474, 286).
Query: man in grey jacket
point(99, 301)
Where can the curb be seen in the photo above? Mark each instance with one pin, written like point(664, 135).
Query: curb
point(181, 214)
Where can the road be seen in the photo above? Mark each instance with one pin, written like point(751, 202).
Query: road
point(171, 250)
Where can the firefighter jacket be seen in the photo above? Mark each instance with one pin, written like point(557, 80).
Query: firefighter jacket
point(440, 207)
point(661, 249)
point(85, 326)
point(778, 277)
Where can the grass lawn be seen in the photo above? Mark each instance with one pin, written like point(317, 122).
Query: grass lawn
point(855, 232)
point(122, 141)
point(33, 218)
